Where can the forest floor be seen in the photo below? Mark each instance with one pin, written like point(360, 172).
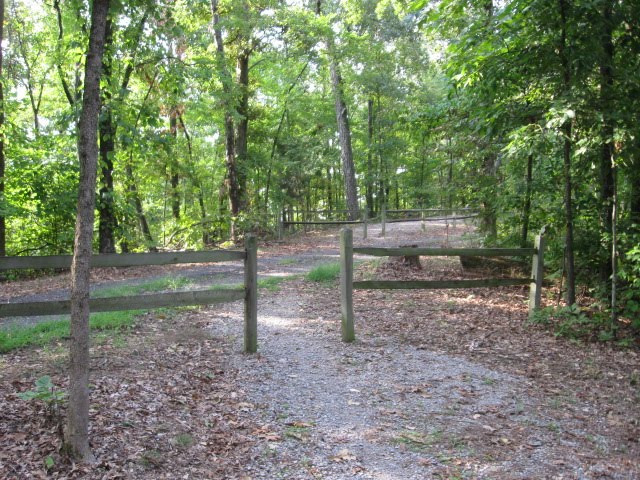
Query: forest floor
point(438, 384)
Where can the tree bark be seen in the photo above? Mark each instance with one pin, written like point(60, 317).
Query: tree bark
point(607, 132)
point(344, 130)
point(242, 125)
point(71, 96)
point(107, 218)
point(344, 133)
point(137, 203)
point(3, 224)
point(233, 181)
point(107, 222)
point(633, 173)
point(174, 177)
point(526, 208)
point(566, 130)
point(370, 145)
point(77, 432)
point(206, 237)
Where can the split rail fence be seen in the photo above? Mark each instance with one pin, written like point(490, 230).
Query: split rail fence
point(307, 218)
point(424, 215)
point(326, 217)
point(347, 285)
point(248, 292)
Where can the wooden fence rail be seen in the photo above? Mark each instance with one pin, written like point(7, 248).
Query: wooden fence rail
point(363, 214)
point(148, 301)
point(384, 214)
point(347, 285)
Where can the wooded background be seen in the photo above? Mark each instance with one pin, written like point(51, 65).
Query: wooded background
point(219, 117)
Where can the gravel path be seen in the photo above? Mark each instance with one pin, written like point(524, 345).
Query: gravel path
point(378, 408)
point(382, 409)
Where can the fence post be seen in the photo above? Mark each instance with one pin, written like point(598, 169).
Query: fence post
point(537, 273)
point(251, 295)
point(346, 284)
point(383, 214)
point(423, 226)
point(365, 219)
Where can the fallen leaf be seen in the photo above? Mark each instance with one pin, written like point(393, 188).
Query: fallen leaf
point(343, 456)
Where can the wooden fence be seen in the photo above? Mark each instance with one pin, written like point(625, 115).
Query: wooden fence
point(347, 285)
point(248, 292)
point(424, 215)
point(323, 217)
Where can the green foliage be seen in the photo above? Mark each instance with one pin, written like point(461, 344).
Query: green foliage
point(44, 391)
point(630, 291)
point(50, 396)
point(326, 273)
point(449, 102)
point(574, 323)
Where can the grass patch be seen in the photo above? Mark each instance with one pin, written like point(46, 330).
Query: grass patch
point(271, 284)
point(418, 441)
point(325, 273)
point(46, 332)
point(289, 261)
point(154, 285)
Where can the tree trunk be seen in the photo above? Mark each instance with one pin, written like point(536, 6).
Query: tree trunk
point(526, 208)
point(206, 237)
point(3, 224)
point(369, 172)
point(606, 154)
point(137, 203)
point(173, 168)
point(344, 130)
point(233, 185)
point(330, 205)
point(242, 125)
point(107, 218)
point(107, 222)
point(633, 172)
point(77, 433)
point(450, 177)
point(72, 97)
point(344, 133)
point(566, 130)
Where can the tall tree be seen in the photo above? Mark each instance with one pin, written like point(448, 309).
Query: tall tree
point(107, 221)
point(607, 131)
point(567, 141)
point(235, 115)
point(108, 127)
point(3, 227)
point(344, 127)
point(77, 433)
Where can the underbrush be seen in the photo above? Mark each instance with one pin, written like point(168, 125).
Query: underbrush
point(583, 324)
